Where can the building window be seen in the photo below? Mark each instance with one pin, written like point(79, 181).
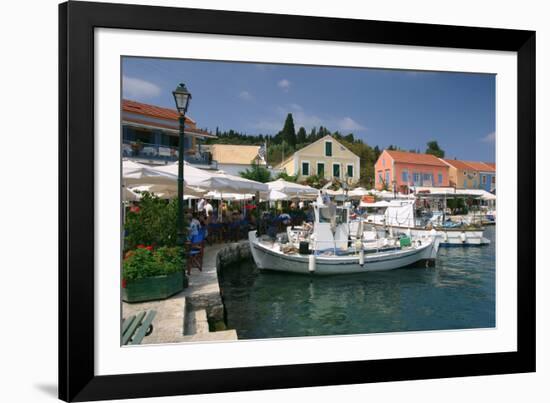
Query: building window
point(440, 178)
point(383, 162)
point(328, 149)
point(350, 171)
point(416, 178)
point(484, 179)
point(380, 177)
point(465, 184)
point(465, 173)
point(427, 179)
point(305, 168)
point(335, 170)
point(320, 169)
point(405, 176)
point(387, 177)
point(493, 179)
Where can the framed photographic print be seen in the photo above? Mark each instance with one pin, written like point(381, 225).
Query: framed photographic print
point(258, 201)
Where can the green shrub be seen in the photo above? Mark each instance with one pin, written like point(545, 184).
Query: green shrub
point(148, 262)
point(153, 223)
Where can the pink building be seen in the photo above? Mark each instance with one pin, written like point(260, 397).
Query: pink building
point(401, 169)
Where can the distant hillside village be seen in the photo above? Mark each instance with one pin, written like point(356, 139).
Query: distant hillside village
point(150, 135)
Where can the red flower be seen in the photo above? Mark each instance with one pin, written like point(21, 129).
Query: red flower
point(150, 248)
point(140, 246)
point(123, 283)
point(134, 209)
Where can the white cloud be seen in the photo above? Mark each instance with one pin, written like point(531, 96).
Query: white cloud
point(349, 124)
point(490, 138)
point(139, 89)
point(284, 84)
point(246, 96)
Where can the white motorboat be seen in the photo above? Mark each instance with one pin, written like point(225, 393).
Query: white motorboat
point(398, 217)
point(330, 248)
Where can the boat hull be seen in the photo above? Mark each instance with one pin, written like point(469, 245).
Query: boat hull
point(268, 259)
point(448, 237)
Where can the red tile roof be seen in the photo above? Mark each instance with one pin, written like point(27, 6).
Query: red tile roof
point(472, 165)
point(460, 165)
point(415, 158)
point(153, 111)
point(480, 166)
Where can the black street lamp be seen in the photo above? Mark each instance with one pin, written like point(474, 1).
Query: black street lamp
point(182, 97)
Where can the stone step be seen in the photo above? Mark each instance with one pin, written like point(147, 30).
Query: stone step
point(225, 335)
point(196, 323)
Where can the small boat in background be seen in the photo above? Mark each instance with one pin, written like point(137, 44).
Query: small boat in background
point(398, 217)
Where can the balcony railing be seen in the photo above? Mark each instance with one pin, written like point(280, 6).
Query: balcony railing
point(157, 152)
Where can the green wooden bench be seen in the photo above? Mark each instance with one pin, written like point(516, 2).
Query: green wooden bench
point(136, 327)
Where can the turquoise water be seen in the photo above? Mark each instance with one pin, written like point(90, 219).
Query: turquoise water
point(458, 293)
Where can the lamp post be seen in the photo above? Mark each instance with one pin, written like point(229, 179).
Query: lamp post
point(182, 97)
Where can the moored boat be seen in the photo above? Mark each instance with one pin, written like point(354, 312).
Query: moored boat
point(330, 248)
point(398, 217)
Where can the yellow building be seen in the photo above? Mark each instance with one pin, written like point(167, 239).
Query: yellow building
point(327, 158)
point(234, 159)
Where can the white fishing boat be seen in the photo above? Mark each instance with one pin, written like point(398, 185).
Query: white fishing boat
point(398, 217)
point(329, 247)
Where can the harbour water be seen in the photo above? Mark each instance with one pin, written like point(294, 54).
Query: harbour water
point(458, 293)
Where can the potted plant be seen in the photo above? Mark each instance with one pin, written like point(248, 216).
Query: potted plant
point(151, 274)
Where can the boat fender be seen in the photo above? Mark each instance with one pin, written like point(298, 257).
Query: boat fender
point(463, 237)
point(311, 266)
point(361, 257)
point(445, 236)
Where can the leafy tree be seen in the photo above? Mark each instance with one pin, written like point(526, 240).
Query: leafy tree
point(434, 149)
point(301, 136)
point(288, 133)
point(377, 152)
point(287, 177)
point(315, 181)
point(312, 136)
point(256, 173)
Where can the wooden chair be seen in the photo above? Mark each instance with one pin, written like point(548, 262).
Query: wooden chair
point(195, 251)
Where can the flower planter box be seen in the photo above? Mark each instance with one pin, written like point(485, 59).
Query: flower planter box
point(152, 288)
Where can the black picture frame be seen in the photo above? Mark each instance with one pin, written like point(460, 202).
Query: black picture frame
point(77, 379)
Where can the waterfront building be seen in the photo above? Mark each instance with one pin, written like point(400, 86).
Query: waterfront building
point(325, 157)
point(400, 170)
point(471, 174)
point(150, 134)
point(234, 159)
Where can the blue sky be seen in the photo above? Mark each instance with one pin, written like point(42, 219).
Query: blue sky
point(383, 107)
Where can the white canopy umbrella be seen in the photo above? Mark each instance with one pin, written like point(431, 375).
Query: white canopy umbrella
point(228, 196)
point(214, 181)
point(134, 173)
point(291, 189)
point(171, 191)
point(275, 195)
point(236, 184)
point(358, 192)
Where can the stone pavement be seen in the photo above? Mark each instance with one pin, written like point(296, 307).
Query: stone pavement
point(199, 301)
